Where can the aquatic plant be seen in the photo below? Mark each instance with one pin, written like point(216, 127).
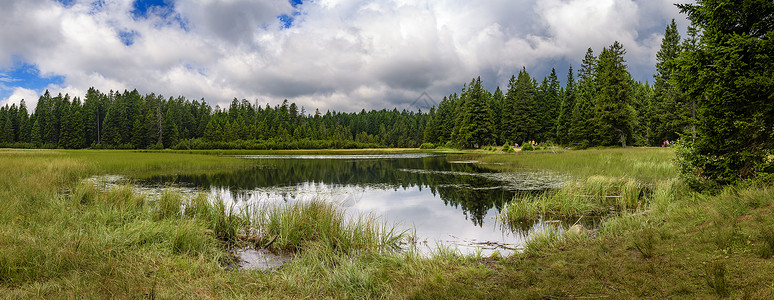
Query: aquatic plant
point(297, 224)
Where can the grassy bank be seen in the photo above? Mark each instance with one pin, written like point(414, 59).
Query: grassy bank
point(647, 165)
point(63, 239)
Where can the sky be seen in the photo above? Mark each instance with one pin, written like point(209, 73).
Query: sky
point(342, 55)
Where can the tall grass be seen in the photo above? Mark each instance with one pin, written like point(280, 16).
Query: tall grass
point(292, 227)
point(60, 238)
point(646, 165)
point(594, 196)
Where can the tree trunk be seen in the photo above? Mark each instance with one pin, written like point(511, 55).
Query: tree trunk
point(623, 140)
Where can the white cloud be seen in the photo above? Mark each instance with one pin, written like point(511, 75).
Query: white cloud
point(30, 98)
point(339, 54)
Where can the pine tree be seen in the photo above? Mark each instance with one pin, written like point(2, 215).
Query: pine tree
point(431, 130)
point(63, 118)
point(566, 108)
point(477, 127)
point(524, 120)
point(111, 126)
point(77, 138)
point(171, 133)
point(731, 72)
point(668, 117)
point(6, 128)
point(613, 114)
point(581, 125)
point(497, 102)
point(24, 123)
point(35, 136)
point(548, 108)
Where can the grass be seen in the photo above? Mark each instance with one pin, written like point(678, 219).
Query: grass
point(291, 227)
point(596, 195)
point(646, 165)
point(60, 238)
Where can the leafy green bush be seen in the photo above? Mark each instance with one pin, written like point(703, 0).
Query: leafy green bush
point(427, 146)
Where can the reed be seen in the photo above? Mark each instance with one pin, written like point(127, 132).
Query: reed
point(293, 226)
point(594, 196)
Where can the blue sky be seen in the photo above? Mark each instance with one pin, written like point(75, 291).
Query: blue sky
point(335, 54)
point(24, 75)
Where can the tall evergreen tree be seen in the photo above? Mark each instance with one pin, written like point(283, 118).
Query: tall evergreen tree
point(497, 102)
point(508, 120)
point(24, 123)
point(580, 130)
point(566, 108)
point(477, 127)
point(548, 108)
point(732, 71)
point(613, 113)
point(525, 122)
point(668, 117)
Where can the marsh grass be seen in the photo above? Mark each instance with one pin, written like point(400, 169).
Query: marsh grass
point(716, 278)
point(646, 165)
point(645, 242)
point(546, 239)
point(596, 195)
point(62, 239)
point(168, 206)
point(297, 224)
point(766, 234)
point(552, 237)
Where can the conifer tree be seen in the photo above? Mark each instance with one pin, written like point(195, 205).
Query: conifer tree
point(524, 123)
point(24, 123)
point(730, 71)
point(35, 136)
point(613, 112)
point(477, 127)
point(497, 102)
point(668, 117)
point(566, 108)
point(580, 131)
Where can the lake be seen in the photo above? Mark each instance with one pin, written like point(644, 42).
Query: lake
point(438, 199)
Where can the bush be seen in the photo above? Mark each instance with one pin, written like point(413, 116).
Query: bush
point(428, 146)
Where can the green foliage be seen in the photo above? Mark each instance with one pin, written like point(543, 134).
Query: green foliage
point(566, 108)
point(477, 127)
point(296, 226)
point(129, 120)
point(670, 110)
point(427, 146)
point(613, 114)
point(729, 70)
point(580, 132)
point(595, 195)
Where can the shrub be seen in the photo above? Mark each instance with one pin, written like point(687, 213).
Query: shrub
point(427, 146)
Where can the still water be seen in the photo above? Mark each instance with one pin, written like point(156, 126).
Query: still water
point(439, 200)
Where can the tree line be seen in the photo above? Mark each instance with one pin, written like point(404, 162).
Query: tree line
point(603, 107)
point(130, 120)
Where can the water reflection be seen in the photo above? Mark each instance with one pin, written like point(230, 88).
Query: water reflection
point(447, 202)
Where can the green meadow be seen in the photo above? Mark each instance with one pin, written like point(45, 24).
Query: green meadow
point(63, 238)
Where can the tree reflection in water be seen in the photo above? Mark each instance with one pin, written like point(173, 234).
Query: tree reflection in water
point(465, 186)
